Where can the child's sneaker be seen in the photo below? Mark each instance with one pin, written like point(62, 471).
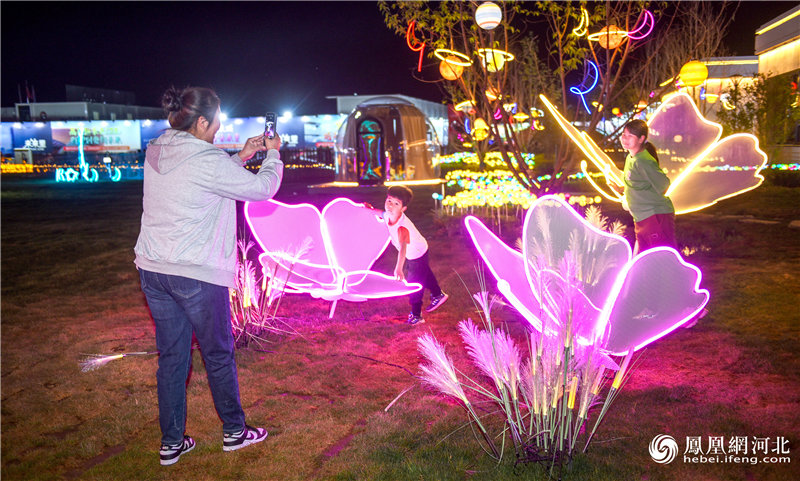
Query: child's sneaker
point(171, 453)
point(245, 437)
point(412, 319)
point(436, 302)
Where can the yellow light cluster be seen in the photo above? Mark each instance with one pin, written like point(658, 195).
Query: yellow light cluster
point(496, 189)
point(491, 159)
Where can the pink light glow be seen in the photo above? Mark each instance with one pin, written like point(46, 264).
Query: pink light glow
point(642, 299)
point(326, 254)
point(647, 20)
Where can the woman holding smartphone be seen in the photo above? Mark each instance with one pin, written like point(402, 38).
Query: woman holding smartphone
point(186, 256)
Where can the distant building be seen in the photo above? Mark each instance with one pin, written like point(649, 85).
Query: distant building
point(778, 44)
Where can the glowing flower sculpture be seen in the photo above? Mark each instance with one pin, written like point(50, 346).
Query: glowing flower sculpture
point(572, 272)
point(702, 168)
point(326, 254)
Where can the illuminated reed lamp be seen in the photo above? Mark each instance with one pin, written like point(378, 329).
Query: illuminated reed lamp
point(693, 73)
point(488, 15)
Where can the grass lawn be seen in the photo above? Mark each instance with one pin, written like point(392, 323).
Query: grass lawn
point(69, 287)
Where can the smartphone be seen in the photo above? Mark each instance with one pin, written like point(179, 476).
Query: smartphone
point(271, 125)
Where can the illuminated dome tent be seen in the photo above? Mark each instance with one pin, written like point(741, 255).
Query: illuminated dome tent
point(383, 139)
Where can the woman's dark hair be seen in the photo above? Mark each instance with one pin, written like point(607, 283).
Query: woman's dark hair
point(639, 128)
point(184, 107)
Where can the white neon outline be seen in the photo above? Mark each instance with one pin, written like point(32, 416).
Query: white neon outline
point(599, 332)
point(502, 285)
point(296, 282)
point(600, 328)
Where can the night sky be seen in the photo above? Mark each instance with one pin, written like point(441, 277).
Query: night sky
point(258, 56)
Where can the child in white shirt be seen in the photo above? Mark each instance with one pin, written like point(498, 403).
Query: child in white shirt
point(412, 251)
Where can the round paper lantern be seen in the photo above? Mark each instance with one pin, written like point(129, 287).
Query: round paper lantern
point(694, 73)
point(449, 70)
point(488, 15)
point(610, 37)
point(480, 130)
point(495, 62)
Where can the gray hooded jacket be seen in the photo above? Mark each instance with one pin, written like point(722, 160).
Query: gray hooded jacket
point(189, 206)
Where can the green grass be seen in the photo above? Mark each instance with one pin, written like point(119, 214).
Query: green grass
point(69, 287)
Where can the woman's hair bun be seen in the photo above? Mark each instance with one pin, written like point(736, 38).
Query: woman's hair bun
point(171, 100)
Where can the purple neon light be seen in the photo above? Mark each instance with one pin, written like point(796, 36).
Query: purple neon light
point(325, 254)
point(642, 299)
point(646, 20)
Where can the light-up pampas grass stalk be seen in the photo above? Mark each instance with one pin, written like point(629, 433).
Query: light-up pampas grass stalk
point(545, 396)
point(95, 361)
point(253, 306)
point(441, 374)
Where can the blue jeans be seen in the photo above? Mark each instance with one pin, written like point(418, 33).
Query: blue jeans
point(180, 306)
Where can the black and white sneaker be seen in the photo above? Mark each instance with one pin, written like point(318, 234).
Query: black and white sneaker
point(171, 453)
point(413, 319)
point(436, 302)
point(247, 436)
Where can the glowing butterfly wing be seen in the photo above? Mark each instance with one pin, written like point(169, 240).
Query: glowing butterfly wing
point(730, 168)
point(655, 294)
point(680, 133)
point(363, 285)
point(357, 236)
point(292, 240)
point(507, 267)
point(599, 158)
point(564, 301)
point(553, 229)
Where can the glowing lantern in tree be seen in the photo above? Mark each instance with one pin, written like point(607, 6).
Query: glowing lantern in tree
point(494, 59)
point(694, 73)
point(492, 93)
point(480, 130)
point(450, 70)
point(488, 15)
point(609, 37)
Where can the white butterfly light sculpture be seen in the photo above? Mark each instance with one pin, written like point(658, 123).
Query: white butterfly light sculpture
point(326, 254)
point(702, 168)
point(568, 267)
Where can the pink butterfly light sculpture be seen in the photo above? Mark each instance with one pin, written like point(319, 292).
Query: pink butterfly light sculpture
point(326, 254)
point(702, 168)
point(568, 267)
